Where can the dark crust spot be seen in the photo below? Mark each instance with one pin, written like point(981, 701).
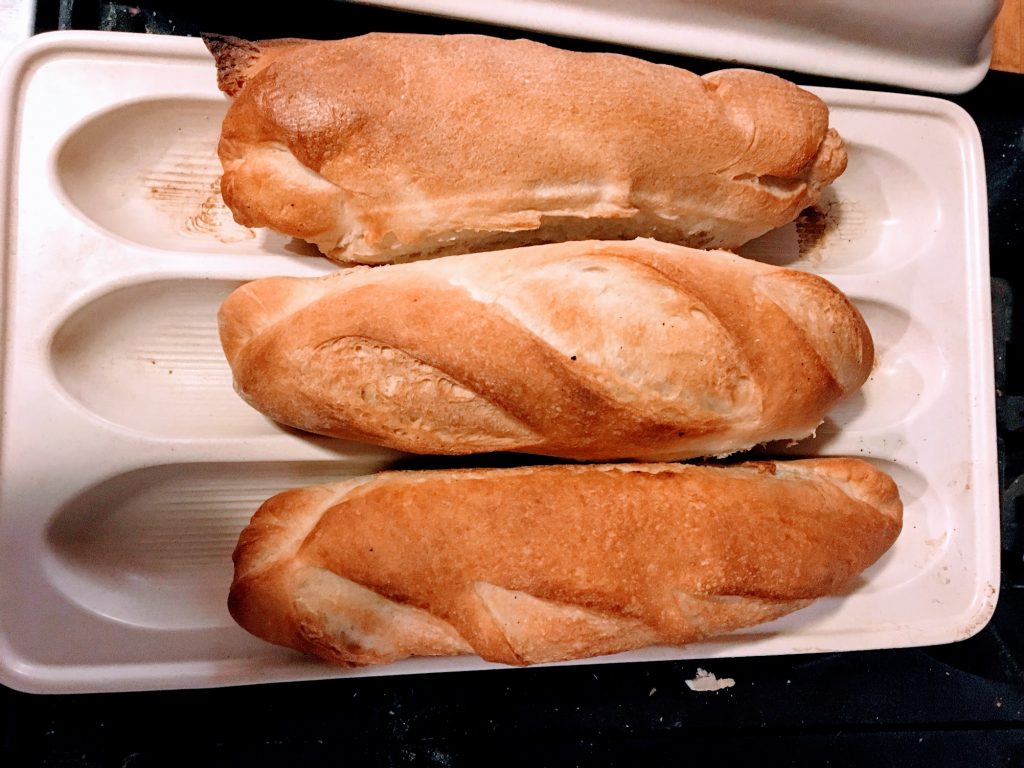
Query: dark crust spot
point(233, 56)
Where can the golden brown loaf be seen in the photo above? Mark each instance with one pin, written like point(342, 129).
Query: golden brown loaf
point(539, 564)
point(388, 147)
point(584, 350)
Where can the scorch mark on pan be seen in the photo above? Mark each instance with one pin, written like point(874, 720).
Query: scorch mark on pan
point(829, 229)
point(187, 190)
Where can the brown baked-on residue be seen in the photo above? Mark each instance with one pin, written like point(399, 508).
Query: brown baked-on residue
point(390, 147)
point(584, 350)
point(539, 564)
point(239, 60)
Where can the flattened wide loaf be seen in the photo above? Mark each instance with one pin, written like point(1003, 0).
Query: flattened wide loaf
point(584, 350)
point(540, 564)
point(388, 147)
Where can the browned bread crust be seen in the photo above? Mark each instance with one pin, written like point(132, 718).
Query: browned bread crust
point(584, 350)
point(542, 564)
point(388, 147)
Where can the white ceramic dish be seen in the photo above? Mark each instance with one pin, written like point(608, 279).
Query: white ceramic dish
point(128, 466)
point(17, 17)
point(931, 45)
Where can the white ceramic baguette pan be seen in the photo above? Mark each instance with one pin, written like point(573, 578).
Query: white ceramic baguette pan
point(128, 465)
point(930, 45)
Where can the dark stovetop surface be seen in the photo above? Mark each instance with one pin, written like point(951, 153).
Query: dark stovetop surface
point(960, 704)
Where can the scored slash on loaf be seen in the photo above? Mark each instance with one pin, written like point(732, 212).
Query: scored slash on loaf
point(388, 147)
point(584, 350)
point(539, 564)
